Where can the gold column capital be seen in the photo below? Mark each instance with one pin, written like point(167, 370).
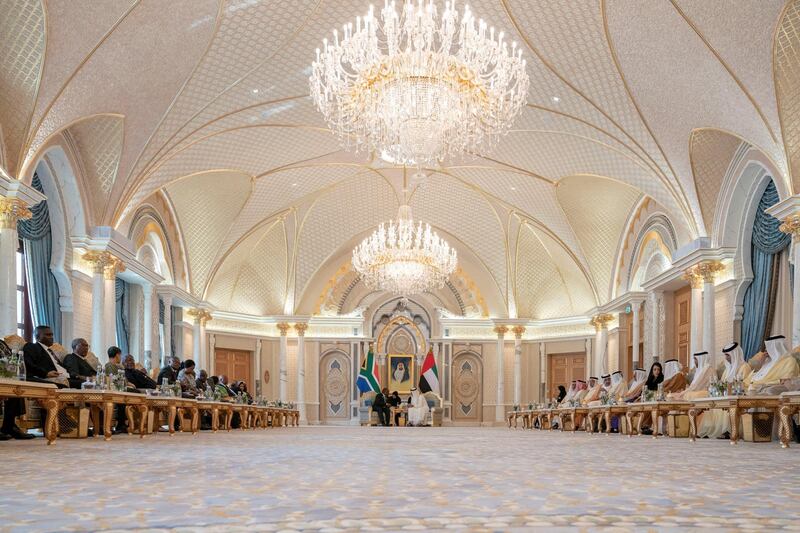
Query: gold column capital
point(200, 316)
point(13, 210)
point(518, 331)
point(709, 269)
point(301, 328)
point(283, 327)
point(694, 279)
point(791, 225)
point(601, 321)
point(501, 331)
point(104, 263)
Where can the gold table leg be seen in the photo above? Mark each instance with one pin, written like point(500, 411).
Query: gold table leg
point(692, 425)
point(608, 422)
point(143, 412)
point(734, 415)
point(108, 411)
point(785, 428)
point(171, 419)
point(51, 421)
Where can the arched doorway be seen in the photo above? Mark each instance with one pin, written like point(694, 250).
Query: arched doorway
point(467, 388)
point(334, 387)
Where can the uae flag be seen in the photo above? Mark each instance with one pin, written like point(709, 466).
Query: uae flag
point(429, 376)
point(369, 376)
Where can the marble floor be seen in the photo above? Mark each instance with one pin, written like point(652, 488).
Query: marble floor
point(394, 479)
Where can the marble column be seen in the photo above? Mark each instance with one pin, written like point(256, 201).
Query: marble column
point(301, 328)
point(109, 308)
point(500, 410)
point(696, 312)
point(542, 372)
point(167, 299)
point(518, 332)
point(147, 318)
point(199, 318)
point(599, 361)
point(11, 211)
point(791, 225)
point(101, 263)
point(212, 343)
point(283, 378)
point(707, 270)
point(636, 335)
point(655, 321)
point(258, 385)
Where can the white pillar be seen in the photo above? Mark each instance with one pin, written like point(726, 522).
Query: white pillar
point(258, 391)
point(697, 331)
point(167, 299)
point(500, 410)
point(707, 270)
point(655, 319)
point(600, 353)
point(196, 341)
point(518, 332)
point(301, 328)
point(636, 335)
point(542, 396)
point(147, 300)
point(282, 377)
point(212, 341)
point(11, 211)
point(109, 312)
point(791, 226)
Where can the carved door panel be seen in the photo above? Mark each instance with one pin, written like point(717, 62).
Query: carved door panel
point(467, 388)
point(236, 364)
point(683, 324)
point(334, 387)
point(563, 369)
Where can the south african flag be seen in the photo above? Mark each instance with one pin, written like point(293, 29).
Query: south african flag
point(369, 377)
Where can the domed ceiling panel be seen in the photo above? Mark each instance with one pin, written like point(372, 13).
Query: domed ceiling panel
point(275, 192)
point(252, 279)
point(466, 214)
point(22, 49)
point(787, 84)
point(711, 152)
point(99, 143)
point(549, 283)
point(336, 218)
point(598, 209)
point(206, 205)
point(248, 35)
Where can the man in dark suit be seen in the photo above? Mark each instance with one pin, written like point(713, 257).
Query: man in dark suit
point(380, 406)
point(136, 377)
point(77, 366)
point(41, 363)
point(170, 372)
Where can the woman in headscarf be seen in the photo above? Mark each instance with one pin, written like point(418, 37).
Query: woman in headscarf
point(562, 393)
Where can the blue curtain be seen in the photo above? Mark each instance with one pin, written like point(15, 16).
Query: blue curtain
point(122, 298)
point(767, 244)
point(37, 243)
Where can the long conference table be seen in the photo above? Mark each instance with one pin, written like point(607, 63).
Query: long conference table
point(783, 406)
point(53, 399)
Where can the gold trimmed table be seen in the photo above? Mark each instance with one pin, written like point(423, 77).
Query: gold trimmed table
point(605, 412)
point(105, 399)
point(170, 406)
point(790, 404)
point(44, 393)
point(734, 405)
point(657, 409)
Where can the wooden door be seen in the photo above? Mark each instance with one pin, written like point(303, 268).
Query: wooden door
point(236, 364)
point(334, 387)
point(467, 388)
point(683, 325)
point(563, 369)
point(627, 364)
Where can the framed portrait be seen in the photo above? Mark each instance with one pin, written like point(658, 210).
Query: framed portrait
point(401, 373)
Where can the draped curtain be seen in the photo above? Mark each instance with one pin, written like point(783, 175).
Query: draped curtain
point(759, 300)
point(123, 299)
point(37, 243)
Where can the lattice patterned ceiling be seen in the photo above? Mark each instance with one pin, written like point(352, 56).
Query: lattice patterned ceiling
point(217, 90)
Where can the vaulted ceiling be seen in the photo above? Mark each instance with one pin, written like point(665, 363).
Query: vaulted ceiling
point(205, 103)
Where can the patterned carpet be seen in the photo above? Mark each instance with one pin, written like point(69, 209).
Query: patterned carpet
point(370, 479)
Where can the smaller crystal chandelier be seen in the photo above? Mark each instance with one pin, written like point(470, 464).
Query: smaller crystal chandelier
point(404, 257)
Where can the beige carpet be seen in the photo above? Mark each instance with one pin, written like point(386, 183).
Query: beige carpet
point(348, 478)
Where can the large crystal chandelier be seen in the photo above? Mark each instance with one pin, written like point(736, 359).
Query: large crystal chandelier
point(404, 257)
point(414, 87)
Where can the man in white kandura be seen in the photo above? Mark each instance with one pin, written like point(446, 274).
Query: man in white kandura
point(418, 409)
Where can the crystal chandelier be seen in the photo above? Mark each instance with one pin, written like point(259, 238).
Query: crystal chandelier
point(404, 257)
point(414, 87)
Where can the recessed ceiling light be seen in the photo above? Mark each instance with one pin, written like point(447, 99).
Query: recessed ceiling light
point(556, 99)
point(513, 188)
point(294, 185)
point(255, 91)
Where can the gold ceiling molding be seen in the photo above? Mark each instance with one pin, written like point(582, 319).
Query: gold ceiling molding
point(32, 131)
point(786, 75)
point(589, 100)
point(286, 43)
point(219, 118)
point(683, 199)
point(710, 154)
point(643, 205)
point(727, 68)
point(212, 38)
